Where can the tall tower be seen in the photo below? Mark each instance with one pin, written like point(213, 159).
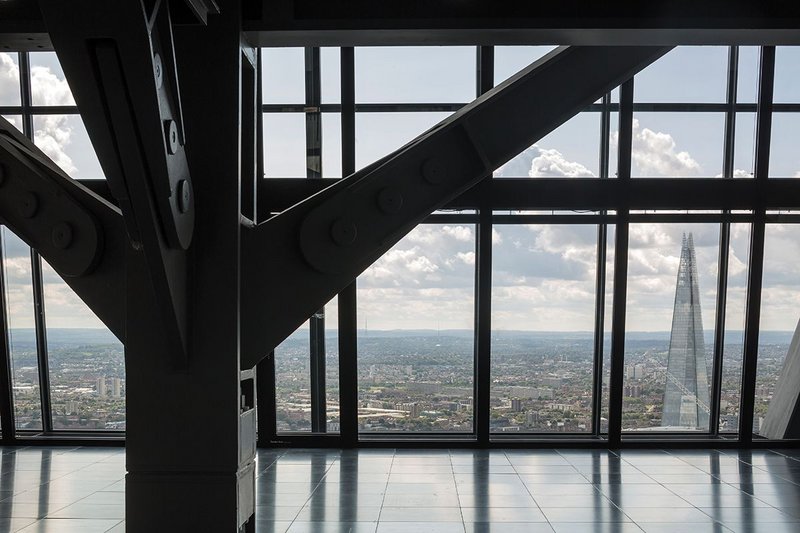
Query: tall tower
point(686, 396)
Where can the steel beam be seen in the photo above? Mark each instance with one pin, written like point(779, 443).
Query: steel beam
point(319, 246)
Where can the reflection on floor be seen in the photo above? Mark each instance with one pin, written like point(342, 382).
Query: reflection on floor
point(414, 491)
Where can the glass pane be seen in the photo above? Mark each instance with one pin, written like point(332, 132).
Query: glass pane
point(87, 363)
point(780, 294)
point(677, 144)
point(15, 121)
point(744, 152)
point(330, 71)
point(285, 145)
point(332, 365)
point(685, 74)
point(543, 310)
point(572, 150)
point(669, 333)
point(331, 145)
point(63, 138)
point(747, 84)
point(9, 79)
point(508, 60)
point(414, 74)
point(293, 382)
point(283, 76)
point(378, 134)
point(784, 157)
point(736, 299)
point(415, 337)
point(787, 74)
point(48, 84)
point(608, 318)
point(21, 331)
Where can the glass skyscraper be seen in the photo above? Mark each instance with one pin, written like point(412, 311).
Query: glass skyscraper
point(686, 396)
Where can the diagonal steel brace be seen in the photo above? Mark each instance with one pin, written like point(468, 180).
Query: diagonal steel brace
point(80, 234)
point(295, 262)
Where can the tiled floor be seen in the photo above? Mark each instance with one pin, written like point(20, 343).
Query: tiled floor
point(440, 491)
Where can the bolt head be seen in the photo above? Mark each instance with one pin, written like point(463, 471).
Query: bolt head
point(434, 171)
point(184, 196)
point(158, 70)
point(390, 200)
point(171, 132)
point(61, 235)
point(344, 232)
point(28, 205)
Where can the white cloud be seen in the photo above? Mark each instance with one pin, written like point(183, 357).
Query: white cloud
point(52, 132)
point(537, 162)
point(459, 233)
point(655, 154)
point(468, 258)
point(9, 80)
point(552, 164)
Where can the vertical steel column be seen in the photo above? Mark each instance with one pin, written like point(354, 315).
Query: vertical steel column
point(483, 280)
point(41, 341)
point(600, 278)
point(620, 271)
point(724, 245)
point(755, 274)
point(348, 341)
point(316, 324)
point(25, 94)
point(6, 381)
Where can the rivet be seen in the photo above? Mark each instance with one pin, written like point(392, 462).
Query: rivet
point(433, 171)
point(61, 235)
point(171, 132)
point(344, 232)
point(158, 69)
point(390, 200)
point(28, 205)
point(184, 195)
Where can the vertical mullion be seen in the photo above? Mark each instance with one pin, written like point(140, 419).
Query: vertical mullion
point(6, 394)
point(25, 90)
point(348, 341)
point(316, 325)
point(600, 279)
point(36, 264)
point(482, 366)
point(620, 270)
point(41, 340)
point(755, 274)
point(724, 245)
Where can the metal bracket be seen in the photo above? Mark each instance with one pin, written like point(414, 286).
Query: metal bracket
point(120, 61)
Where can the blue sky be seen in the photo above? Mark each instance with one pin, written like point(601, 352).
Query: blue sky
point(543, 276)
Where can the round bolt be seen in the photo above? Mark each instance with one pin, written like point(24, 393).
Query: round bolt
point(158, 69)
point(171, 131)
point(434, 171)
point(61, 235)
point(343, 232)
point(390, 200)
point(28, 205)
point(2, 175)
point(184, 196)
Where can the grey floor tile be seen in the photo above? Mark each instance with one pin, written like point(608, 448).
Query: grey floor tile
point(420, 514)
point(420, 527)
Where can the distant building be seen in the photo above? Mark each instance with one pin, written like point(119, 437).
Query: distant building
point(686, 395)
point(116, 387)
point(101, 386)
point(516, 405)
point(532, 418)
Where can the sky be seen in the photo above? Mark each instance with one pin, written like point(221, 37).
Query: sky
point(543, 277)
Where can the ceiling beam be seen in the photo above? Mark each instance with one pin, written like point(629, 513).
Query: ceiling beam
point(479, 22)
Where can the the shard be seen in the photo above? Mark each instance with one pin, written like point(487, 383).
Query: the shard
point(686, 396)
